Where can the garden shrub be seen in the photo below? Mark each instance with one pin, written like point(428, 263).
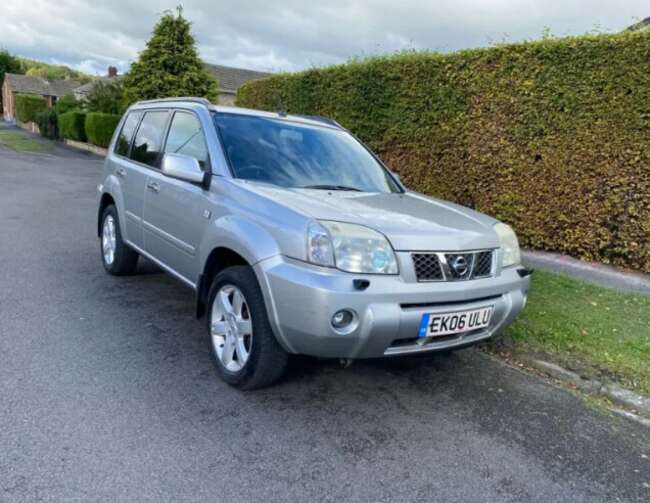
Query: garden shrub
point(106, 97)
point(28, 105)
point(100, 128)
point(72, 126)
point(47, 122)
point(549, 136)
point(67, 103)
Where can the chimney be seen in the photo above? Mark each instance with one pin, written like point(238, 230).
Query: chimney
point(112, 72)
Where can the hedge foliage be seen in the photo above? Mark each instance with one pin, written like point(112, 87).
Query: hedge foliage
point(66, 104)
point(28, 105)
point(100, 128)
point(550, 136)
point(72, 126)
point(47, 123)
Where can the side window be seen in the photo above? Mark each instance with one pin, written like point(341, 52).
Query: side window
point(126, 135)
point(186, 137)
point(148, 139)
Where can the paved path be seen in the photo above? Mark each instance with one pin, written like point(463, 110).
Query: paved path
point(107, 394)
point(592, 272)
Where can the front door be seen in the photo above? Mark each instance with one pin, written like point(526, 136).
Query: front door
point(175, 211)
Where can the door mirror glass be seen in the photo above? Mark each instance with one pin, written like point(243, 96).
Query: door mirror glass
point(182, 167)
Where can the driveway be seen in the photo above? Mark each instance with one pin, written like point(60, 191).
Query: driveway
point(107, 393)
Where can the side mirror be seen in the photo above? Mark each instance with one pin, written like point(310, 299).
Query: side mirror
point(183, 167)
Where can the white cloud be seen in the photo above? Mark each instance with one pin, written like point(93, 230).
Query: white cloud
point(293, 34)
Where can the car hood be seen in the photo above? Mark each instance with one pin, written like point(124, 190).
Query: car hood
point(410, 220)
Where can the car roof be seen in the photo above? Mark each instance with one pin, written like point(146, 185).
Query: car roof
point(196, 103)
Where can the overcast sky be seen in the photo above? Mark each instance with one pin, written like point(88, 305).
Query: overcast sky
point(287, 35)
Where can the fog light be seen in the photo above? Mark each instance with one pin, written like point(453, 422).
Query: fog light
point(342, 319)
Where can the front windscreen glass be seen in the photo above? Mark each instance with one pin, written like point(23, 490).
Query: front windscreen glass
point(292, 154)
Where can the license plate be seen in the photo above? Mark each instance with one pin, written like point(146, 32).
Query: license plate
point(439, 324)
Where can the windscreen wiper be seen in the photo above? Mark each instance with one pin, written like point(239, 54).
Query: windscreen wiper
point(330, 187)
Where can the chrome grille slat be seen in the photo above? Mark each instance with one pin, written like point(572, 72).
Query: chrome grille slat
point(439, 266)
point(427, 267)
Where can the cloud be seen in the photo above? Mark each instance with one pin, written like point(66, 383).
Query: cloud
point(288, 35)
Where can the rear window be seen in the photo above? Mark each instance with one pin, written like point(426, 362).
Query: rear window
point(149, 138)
point(126, 135)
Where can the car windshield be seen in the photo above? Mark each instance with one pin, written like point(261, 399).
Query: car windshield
point(292, 154)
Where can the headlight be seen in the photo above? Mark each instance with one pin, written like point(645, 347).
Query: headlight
point(350, 247)
point(509, 244)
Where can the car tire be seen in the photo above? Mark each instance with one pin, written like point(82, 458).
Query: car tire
point(117, 257)
point(244, 349)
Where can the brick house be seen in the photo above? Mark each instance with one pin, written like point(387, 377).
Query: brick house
point(231, 79)
point(14, 84)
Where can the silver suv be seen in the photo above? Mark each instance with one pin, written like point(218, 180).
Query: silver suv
point(296, 239)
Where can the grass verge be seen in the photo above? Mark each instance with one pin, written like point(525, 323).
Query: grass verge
point(18, 142)
point(600, 333)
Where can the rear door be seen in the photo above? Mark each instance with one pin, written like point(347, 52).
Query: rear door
point(132, 180)
point(175, 211)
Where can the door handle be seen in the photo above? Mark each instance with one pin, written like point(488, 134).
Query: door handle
point(121, 172)
point(153, 186)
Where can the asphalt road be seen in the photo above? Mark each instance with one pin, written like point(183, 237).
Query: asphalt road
point(107, 393)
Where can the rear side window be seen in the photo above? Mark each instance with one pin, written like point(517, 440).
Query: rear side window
point(126, 135)
point(149, 138)
point(186, 137)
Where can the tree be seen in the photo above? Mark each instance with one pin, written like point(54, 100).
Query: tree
point(8, 64)
point(170, 65)
point(105, 97)
point(67, 103)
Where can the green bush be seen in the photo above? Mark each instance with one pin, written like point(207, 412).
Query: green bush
point(72, 126)
point(67, 103)
point(100, 128)
point(549, 136)
point(47, 122)
point(28, 105)
point(106, 97)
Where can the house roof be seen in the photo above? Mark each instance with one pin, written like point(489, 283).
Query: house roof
point(230, 79)
point(37, 85)
point(87, 88)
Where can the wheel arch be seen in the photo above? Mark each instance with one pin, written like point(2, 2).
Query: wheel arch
point(218, 259)
point(105, 201)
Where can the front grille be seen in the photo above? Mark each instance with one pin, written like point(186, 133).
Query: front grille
point(434, 266)
point(427, 267)
point(459, 265)
point(482, 264)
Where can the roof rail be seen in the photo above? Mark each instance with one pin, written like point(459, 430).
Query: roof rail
point(320, 118)
point(202, 101)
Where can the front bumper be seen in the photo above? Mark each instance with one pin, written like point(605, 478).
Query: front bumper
point(302, 298)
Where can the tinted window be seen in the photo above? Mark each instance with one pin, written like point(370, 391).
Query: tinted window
point(126, 135)
point(186, 137)
point(292, 154)
point(148, 140)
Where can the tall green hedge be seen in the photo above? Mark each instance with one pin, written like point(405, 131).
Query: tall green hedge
point(72, 126)
point(47, 123)
point(552, 137)
point(100, 128)
point(28, 105)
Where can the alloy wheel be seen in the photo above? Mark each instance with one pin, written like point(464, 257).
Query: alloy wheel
point(231, 328)
point(109, 243)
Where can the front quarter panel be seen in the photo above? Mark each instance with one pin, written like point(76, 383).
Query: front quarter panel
point(243, 236)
